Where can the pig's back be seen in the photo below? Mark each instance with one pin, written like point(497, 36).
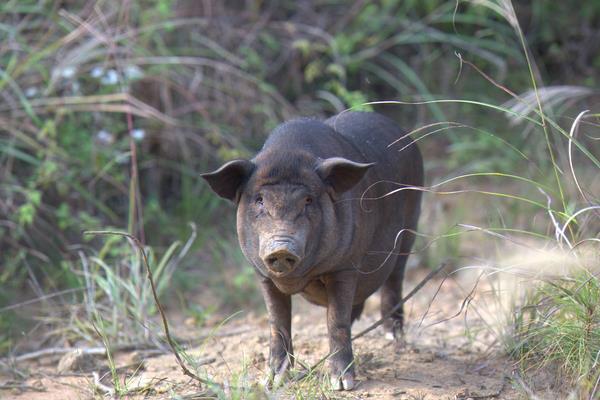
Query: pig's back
point(372, 135)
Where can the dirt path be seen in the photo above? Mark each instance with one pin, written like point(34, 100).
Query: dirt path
point(437, 362)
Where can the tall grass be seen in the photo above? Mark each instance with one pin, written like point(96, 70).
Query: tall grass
point(117, 294)
point(560, 329)
point(552, 322)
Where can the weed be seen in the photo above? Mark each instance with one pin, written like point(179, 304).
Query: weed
point(560, 327)
point(116, 291)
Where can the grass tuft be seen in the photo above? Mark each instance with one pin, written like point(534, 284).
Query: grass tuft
point(559, 328)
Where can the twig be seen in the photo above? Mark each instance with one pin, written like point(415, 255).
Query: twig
point(231, 332)
point(205, 361)
point(408, 379)
point(41, 298)
point(161, 311)
point(466, 302)
point(530, 394)
point(595, 388)
point(102, 387)
point(4, 367)
point(401, 303)
point(437, 291)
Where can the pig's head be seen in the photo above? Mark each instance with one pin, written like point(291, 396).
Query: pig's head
point(286, 217)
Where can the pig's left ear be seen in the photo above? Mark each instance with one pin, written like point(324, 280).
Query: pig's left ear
point(342, 174)
point(229, 178)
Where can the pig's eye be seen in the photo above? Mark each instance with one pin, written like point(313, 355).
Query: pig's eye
point(308, 201)
point(259, 200)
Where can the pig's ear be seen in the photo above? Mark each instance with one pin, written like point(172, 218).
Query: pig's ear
point(342, 174)
point(227, 180)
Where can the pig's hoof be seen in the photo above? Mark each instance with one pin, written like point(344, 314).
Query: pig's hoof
point(274, 380)
point(279, 378)
point(346, 382)
point(395, 333)
point(276, 377)
point(398, 340)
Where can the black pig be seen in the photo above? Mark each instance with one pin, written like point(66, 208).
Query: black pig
point(321, 212)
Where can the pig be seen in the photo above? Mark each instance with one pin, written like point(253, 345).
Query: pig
point(327, 210)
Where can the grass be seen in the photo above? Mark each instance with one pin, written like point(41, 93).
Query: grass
point(116, 294)
point(314, 385)
point(560, 328)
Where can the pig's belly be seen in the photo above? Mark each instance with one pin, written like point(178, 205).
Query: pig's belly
point(316, 293)
point(371, 276)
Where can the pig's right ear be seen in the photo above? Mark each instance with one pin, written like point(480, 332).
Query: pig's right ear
point(227, 180)
point(342, 174)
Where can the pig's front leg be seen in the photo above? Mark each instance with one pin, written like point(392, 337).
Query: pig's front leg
point(279, 308)
point(340, 287)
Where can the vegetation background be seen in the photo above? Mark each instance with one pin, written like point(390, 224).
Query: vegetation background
point(109, 111)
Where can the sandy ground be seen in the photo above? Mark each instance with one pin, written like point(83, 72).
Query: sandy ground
point(437, 360)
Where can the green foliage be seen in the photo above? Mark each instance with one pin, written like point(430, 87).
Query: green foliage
point(118, 302)
point(6, 321)
point(234, 286)
point(64, 144)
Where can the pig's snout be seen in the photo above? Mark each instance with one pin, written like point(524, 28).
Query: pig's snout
point(281, 257)
point(281, 261)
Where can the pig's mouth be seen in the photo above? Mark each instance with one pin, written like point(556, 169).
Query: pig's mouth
point(281, 255)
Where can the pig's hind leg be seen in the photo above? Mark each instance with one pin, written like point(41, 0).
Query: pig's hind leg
point(391, 292)
point(357, 310)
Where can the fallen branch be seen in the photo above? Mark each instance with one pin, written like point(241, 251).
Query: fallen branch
point(161, 311)
point(140, 346)
point(53, 352)
point(19, 386)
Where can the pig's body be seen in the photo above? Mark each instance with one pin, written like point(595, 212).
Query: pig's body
point(366, 236)
point(316, 217)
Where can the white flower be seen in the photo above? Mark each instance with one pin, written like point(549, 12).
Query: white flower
point(104, 137)
point(75, 86)
point(97, 72)
point(31, 91)
point(138, 134)
point(110, 77)
point(133, 72)
point(67, 72)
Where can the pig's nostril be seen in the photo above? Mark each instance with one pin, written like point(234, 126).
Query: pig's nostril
point(281, 261)
point(271, 260)
point(291, 261)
